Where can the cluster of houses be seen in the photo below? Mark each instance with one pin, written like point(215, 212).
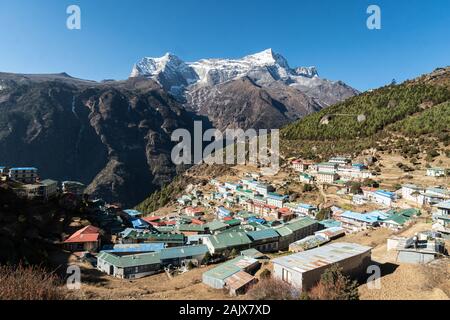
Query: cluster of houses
point(424, 195)
point(423, 247)
point(330, 172)
point(30, 186)
point(250, 220)
point(258, 198)
point(394, 219)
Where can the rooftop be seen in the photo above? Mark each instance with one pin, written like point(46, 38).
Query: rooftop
point(263, 234)
point(181, 252)
point(130, 260)
point(136, 247)
point(229, 239)
point(87, 234)
point(238, 280)
point(24, 168)
point(132, 212)
point(322, 256)
point(444, 205)
point(216, 225)
point(231, 267)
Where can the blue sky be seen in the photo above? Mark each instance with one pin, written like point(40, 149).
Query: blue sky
point(330, 34)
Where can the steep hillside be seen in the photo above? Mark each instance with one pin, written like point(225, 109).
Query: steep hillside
point(113, 136)
point(30, 229)
point(415, 108)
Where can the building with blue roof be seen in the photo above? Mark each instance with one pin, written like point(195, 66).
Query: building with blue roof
point(384, 197)
point(133, 213)
point(276, 200)
point(355, 221)
point(140, 224)
point(330, 223)
point(254, 219)
point(306, 209)
point(223, 212)
point(23, 174)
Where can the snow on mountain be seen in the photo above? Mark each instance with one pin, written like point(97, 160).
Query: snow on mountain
point(260, 90)
point(264, 68)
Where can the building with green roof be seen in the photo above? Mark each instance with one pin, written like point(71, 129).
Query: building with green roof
point(175, 255)
point(216, 277)
point(228, 241)
point(216, 226)
point(140, 265)
point(192, 228)
point(129, 266)
point(295, 230)
point(265, 240)
point(233, 222)
point(171, 240)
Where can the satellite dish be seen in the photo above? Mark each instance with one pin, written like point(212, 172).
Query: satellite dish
point(362, 118)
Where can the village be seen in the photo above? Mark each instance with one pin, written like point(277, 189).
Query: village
point(242, 227)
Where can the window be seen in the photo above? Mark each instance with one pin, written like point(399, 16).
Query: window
point(286, 276)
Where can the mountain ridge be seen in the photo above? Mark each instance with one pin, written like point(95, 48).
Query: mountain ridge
point(211, 88)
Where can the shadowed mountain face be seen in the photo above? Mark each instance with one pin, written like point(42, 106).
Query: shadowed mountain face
point(113, 136)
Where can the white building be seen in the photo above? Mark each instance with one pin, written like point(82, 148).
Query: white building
point(305, 209)
point(249, 184)
point(436, 172)
point(276, 200)
point(300, 166)
point(359, 199)
point(24, 175)
point(264, 189)
point(304, 269)
point(340, 160)
point(411, 192)
point(383, 197)
point(327, 167)
point(326, 177)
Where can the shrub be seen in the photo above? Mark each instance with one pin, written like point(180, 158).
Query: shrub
point(29, 283)
point(333, 285)
point(265, 274)
point(308, 188)
point(272, 289)
point(233, 253)
point(207, 258)
point(323, 214)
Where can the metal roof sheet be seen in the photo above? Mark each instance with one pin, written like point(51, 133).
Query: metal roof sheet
point(229, 239)
point(130, 260)
point(322, 256)
point(238, 280)
point(263, 234)
point(231, 267)
point(182, 252)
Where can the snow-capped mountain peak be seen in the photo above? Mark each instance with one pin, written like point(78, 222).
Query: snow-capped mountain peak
point(267, 58)
point(152, 66)
point(265, 68)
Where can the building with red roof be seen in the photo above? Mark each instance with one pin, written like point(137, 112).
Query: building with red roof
point(86, 239)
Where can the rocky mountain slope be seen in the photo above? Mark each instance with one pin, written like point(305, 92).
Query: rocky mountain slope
point(256, 91)
point(412, 119)
point(113, 136)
